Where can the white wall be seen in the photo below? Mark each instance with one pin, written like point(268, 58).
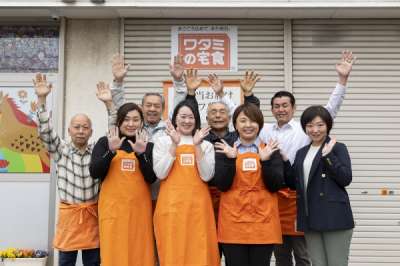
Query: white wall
point(24, 214)
point(90, 45)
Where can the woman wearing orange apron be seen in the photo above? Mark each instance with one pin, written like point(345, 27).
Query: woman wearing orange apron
point(184, 221)
point(123, 162)
point(248, 174)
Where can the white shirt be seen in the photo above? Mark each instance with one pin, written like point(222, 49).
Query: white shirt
point(291, 136)
point(308, 160)
point(163, 160)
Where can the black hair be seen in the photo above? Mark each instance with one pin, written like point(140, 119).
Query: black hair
point(252, 112)
point(194, 111)
point(281, 94)
point(125, 109)
point(316, 111)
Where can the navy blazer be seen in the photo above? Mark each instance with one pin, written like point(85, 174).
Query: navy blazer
point(327, 207)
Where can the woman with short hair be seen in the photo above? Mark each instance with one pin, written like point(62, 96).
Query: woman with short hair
point(320, 173)
point(248, 174)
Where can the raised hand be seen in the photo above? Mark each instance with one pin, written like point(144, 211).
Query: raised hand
point(193, 82)
point(266, 152)
point(114, 142)
point(328, 146)
point(177, 68)
point(216, 84)
point(119, 69)
point(42, 89)
point(141, 142)
point(170, 130)
point(103, 92)
point(344, 67)
point(248, 82)
point(200, 135)
point(223, 147)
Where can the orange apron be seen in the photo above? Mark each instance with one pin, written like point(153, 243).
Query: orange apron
point(288, 212)
point(184, 221)
point(248, 212)
point(125, 215)
point(215, 198)
point(77, 227)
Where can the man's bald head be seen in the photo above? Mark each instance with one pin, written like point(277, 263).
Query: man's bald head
point(80, 130)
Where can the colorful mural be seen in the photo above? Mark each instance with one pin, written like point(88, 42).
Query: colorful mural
point(21, 150)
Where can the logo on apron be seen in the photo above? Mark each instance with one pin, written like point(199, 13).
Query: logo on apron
point(249, 164)
point(187, 159)
point(128, 165)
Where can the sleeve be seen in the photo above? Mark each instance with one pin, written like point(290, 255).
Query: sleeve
point(273, 172)
point(48, 135)
point(225, 170)
point(118, 94)
point(207, 164)
point(252, 99)
point(338, 162)
point(336, 100)
point(118, 98)
point(180, 94)
point(289, 175)
point(162, 159)
point(231, 105)
point(146, 163)
point(101, 159)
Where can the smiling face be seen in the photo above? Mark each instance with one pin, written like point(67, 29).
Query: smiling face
point(185, 121)
point(283, 110)
point(317, 130)
point(247, 128)
point(217, 116)
point(80, 130)
point(130, 124)
point(152, 109)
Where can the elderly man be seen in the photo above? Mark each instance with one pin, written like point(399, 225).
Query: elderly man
point(291, 137)
point(77, 227)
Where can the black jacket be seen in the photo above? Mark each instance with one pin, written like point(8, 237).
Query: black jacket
point(102, 157)
point(327, 207)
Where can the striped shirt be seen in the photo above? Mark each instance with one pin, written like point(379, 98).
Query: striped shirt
point(75, 185)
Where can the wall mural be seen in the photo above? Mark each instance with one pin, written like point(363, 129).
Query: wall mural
point(24, 49)
point(28, 49)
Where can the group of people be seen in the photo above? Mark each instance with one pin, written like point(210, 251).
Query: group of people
point(178, 194)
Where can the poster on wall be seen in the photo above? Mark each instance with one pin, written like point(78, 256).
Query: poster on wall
point(212, 47)
point(21, 150)
point(204, 96)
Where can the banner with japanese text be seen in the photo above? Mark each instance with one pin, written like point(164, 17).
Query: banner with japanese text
point(211, 47)
point(204, 96)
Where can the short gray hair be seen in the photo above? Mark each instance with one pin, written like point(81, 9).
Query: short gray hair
point(220, 102)
point(154, 94)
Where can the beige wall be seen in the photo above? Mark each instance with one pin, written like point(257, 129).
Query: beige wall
point(89, 47)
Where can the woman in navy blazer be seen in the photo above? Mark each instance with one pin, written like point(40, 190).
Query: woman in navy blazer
point(320, 173)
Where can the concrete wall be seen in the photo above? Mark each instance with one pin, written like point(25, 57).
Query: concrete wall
point(90, 45)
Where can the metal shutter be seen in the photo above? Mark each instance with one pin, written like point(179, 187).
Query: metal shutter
point(368, 122)
point(147, 50)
